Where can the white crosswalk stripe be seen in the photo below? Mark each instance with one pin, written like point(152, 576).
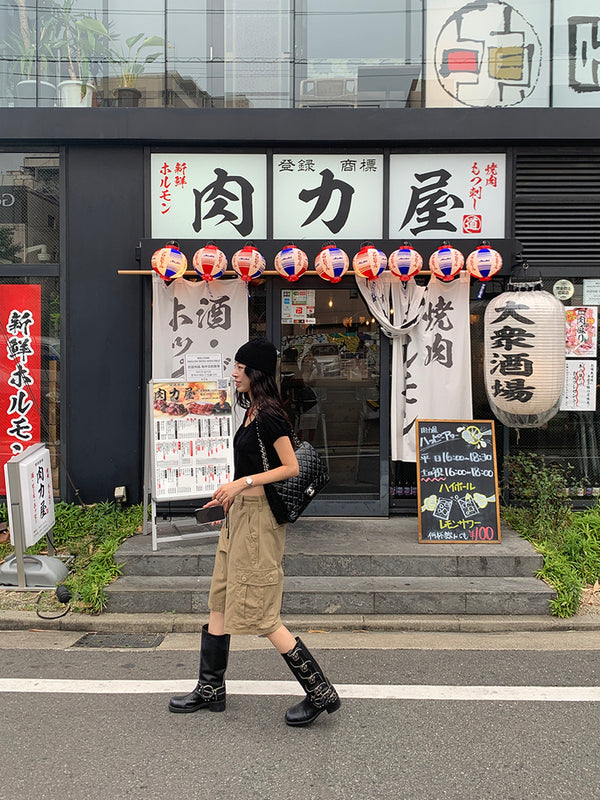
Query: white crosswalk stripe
point(529, 694)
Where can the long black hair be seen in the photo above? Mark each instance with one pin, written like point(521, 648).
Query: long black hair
point(265, 394)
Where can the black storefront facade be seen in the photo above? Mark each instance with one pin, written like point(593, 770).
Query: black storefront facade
point(103, 323)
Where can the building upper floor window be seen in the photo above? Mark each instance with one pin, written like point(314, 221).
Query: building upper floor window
point(300, 53)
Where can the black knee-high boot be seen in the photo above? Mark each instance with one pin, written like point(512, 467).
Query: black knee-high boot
point(210, 691)
point(320, 694)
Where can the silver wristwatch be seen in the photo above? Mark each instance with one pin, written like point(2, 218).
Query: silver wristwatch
point(249, 480)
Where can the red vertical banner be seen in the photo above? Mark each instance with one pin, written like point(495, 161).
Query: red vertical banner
point(20, 370)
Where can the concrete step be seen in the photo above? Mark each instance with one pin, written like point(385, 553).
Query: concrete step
point(381, 550)
point(346, 595)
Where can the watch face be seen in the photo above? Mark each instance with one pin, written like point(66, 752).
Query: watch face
point(249, 481)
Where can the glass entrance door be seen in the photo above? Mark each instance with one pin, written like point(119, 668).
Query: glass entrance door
point(331, 367)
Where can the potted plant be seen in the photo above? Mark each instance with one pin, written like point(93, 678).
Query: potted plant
point(30, 58)
point(129, 62)
point(85, 41)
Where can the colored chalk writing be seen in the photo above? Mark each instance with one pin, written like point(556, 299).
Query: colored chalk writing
point(457, 481)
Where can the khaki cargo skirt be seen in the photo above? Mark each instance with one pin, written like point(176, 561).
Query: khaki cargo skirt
point(247, 581)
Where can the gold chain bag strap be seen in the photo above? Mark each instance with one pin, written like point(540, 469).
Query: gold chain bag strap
point(287, 499)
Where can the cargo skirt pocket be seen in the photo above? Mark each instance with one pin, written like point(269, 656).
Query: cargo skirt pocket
point(254, 601)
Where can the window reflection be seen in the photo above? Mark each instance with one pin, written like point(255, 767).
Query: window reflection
point(29, 209)
point(190, 25)
point(297, 53)
point(351, 54)
point(330, 383)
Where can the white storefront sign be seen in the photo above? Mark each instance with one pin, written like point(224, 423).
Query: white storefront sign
point(447, 195)
point(208, 196)
point(327, 196)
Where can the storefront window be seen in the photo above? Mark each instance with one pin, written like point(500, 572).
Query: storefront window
point(29, 305)
point(257, 309)
point(330, 383)
point(29, 208)
point(571, 439)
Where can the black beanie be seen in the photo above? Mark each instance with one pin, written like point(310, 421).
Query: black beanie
point(258, 354)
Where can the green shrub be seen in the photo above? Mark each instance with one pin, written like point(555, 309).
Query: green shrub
point(92, 534)
point(569, 541)
point(539, 489)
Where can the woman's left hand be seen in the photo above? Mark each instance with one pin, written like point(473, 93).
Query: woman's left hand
point(225, 495)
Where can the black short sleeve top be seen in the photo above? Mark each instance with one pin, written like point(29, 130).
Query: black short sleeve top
point(247, 458)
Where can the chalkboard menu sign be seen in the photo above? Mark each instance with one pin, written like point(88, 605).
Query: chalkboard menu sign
point(457, 481)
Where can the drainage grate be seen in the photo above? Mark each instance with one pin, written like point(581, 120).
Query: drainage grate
point(123, 640)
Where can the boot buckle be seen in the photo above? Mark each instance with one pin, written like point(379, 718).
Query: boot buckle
point(322, 695)
point(208, 692)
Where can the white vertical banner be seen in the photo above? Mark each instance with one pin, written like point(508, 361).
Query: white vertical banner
point(436, 364)
point(197, 326)
point(398, 307)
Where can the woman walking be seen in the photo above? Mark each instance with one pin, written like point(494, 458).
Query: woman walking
point(247, 583)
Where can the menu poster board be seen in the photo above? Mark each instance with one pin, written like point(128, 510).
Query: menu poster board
point(192, 438)
point(457, 481)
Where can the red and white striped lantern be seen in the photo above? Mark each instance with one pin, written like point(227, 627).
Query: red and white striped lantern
point(369, 262)
point(291, 262)
point(169, 262)
point(446, 262)
point(484, 262)
point(248, 263)
point(405, 262)
point(332, 263)
point(209, 262)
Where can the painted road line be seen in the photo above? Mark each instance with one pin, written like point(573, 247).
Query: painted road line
point(527, 694)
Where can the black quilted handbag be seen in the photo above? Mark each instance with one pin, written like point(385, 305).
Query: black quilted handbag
point(287, 499)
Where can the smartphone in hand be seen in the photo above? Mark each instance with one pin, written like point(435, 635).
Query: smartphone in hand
point(212, 514)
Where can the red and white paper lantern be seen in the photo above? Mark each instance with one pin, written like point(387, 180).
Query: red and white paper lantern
point(248, 263)
point(524, 355)
point(209, 262)
point(291, 262)
point(369, 262)
point(446, 262)
point(484, 262)
point(169, 262)
point(332, 263)
point(405, 262)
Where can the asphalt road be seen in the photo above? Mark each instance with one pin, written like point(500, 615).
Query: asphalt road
point(100, 740)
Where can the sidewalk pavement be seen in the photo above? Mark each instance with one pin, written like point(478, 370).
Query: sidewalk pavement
point(192, 623)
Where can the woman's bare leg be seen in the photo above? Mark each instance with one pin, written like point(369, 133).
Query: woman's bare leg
point(282, 640)
point(216, 623)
